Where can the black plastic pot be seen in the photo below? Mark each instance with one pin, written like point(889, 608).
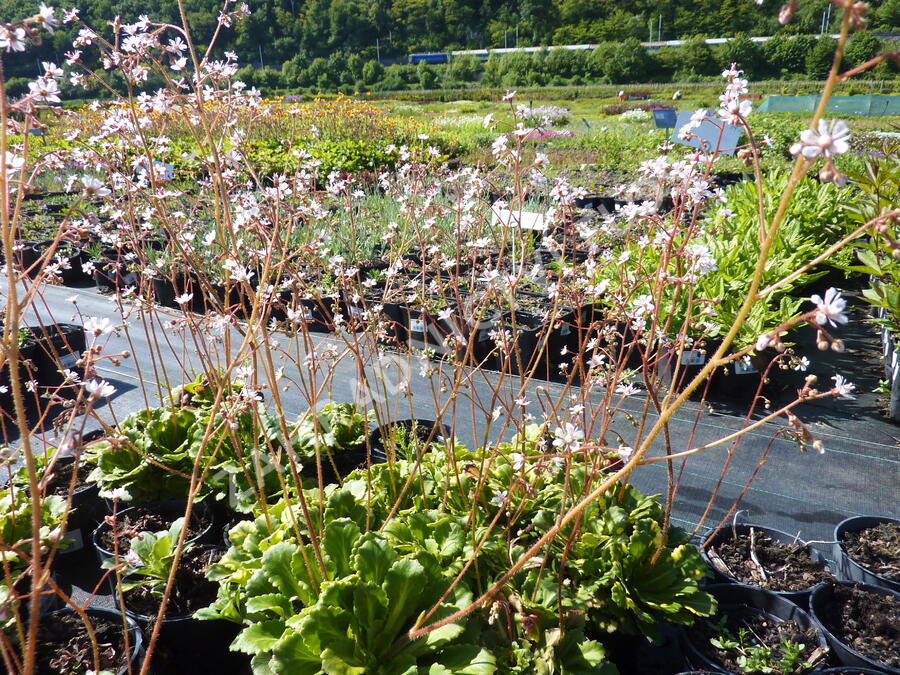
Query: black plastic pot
point(72, 255)
point(397, 330)
point(87, 512)
point(850, 570)
point(335, 466)
point(135, 635)
point(187, 646)
point(738, 380)
point(800, 598)
point(849, 670)
point(59, 347)
point(165, 291)
point(318, 314)
point(425, 429)
point(111, 273)
point(734, 596)
point(529, 351)
point(426, 329)
point(27, 371)
point(819, 601)
point(173, 509)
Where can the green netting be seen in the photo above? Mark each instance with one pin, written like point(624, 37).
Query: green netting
point(869, 105)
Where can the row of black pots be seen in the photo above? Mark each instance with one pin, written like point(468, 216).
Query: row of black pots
point(185, 645)
point(778, 608)
point(815, 599)
point(845, 567)
point(135, 635)
point(43, 358)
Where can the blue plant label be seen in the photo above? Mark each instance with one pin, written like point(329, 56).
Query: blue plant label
point(665, 118)
point(713, 135)
point(68, 361)
point(693, 358)
point(744, 367)
point(416, 326)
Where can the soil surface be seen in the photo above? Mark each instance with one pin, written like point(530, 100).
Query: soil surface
point(62, 477)
point(781, 567)
point(877, 549)
point(866, 622)
point(143, 519)
point(191, 590)
point(64, 646)
point(760, 631)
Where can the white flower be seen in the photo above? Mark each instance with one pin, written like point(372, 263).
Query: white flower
point(94, 187)
point(842, 388)
point(98, 325)
point(132, 559)
point(14, 162)
point(12, 39)
point(500, 497)
point(627, 389)
point(643, 304)
point(184, 298)
point(118, 493)
point(98, 389)
point(509, 95)
point(802, 364)
point(568, 439)
point(47, 18)
point(44, 89)
point(625, 452)
point(517, 459)
point(830, 310)
point(762, 342)
point(51, 69)
point(828, 140)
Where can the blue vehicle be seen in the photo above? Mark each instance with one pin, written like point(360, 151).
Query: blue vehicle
point(429, 57)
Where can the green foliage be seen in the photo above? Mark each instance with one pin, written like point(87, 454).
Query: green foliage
point(352, 615)
point(336, 428)
point(819, 216)
point(787, 658)
point(150, 558)
point(15, 526)
point(879, 188)
point(322, 45)
point(155, 450)
point(820, 58)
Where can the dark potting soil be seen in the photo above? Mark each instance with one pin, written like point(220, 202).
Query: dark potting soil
point(750, 628)
point(786, 567)
point(64, 646)
point(867, 622)
point(877, 549)
point(62, 478)
point(191, 590)
point(144, 519)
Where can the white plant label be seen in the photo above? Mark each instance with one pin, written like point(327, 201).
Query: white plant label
point(68, 361)
point(742, 367)
point(416, 325)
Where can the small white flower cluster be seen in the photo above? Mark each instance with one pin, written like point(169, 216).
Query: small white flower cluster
point(826, 140)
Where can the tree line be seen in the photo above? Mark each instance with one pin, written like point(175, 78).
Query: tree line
point(330, 45)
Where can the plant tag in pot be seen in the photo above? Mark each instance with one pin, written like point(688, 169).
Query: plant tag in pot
point(417, 325)
point(693, 358)
point(744, 366)
point(68, 361)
